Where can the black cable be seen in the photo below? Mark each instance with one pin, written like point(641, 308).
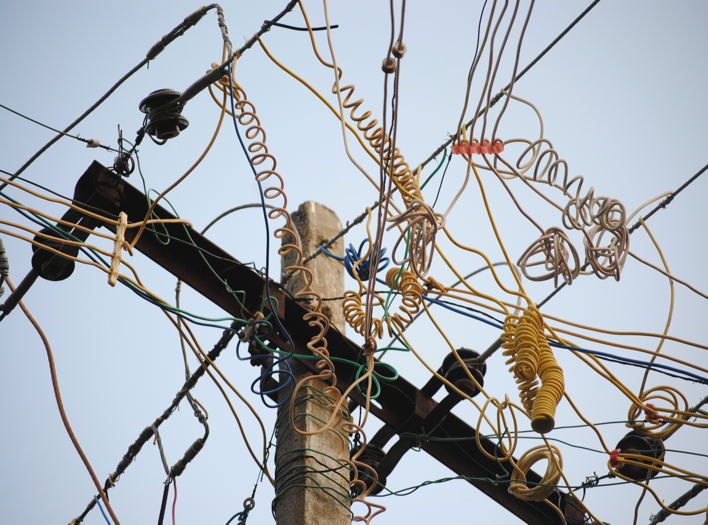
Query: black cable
point(335, 26)
point(264, 28)
point(471, 310)
point(77, 121)
point(667, 200)
point(476, 49)
point(18, 294)
point(4, 267)
point(154, 51)
point(165, 493)
point(645, 367)
point(680, 502)
point(148, 432)
point(498, 96)
point(442, 179)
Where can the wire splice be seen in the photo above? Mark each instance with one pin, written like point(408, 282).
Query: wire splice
point(120, 244)
point(485, 148)
point(250, 328)
point(614, 458)
point(4, 267)
point(652, 415)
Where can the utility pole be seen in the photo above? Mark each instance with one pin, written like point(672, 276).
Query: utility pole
point(312, 487)
point(401, 406)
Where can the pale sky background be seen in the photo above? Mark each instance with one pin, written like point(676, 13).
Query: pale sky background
point(622, 96)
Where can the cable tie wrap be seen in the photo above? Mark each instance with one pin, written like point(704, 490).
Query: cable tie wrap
point(247, 333)
point(120, 244)
point(485, 148)
point(614, 458)
point(652, 415)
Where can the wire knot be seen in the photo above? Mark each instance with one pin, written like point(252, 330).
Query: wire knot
point(247, 333)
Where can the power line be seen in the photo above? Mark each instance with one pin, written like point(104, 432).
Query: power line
point(91, 143)
point(149, 431)
point(496, 98)
point(664, 203)
point(77, 121)
point(152, 53)
point(680, 502)
point(499, 95)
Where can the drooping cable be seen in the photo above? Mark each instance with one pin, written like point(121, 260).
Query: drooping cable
point(154, 51)
point(516, 79)
point(148, 432)
point(62, 413)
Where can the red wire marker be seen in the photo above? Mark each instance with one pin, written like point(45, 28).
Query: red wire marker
point(614, 458)
point(652, 416)
point(485, 148)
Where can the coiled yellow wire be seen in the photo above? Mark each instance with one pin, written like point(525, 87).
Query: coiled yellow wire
point(411, 291)
point(550, 478)
point(526, 346)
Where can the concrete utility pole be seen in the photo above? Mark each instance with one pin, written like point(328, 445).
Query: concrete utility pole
point(401, 406)
point(312, 487)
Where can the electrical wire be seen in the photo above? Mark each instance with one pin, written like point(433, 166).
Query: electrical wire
point(316, 318)
point(91, 143)
point(60, 405)
point(498, 96)
point(186, 174)
point(100, 507)
point(663, 204)
point(151, 55)
point(667, 274)
point(76, 122)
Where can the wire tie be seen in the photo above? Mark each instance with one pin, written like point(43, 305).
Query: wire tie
point(120, 245)
point(485, 148)
point(248, 331)
point(431, 283)
point(614, 458)
point(652, 415)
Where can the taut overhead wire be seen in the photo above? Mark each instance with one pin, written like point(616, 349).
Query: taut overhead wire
point(516, 79)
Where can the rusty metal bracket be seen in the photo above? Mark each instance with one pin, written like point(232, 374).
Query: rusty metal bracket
point(402, 405)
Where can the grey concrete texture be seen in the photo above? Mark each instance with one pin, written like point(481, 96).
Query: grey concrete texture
point(316, 224)
point(312, 486)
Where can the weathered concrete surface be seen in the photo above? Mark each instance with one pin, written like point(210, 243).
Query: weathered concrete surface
point(316, 224)
point(312, 488)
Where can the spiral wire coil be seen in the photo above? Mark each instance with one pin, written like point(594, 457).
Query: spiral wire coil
point(532, 360)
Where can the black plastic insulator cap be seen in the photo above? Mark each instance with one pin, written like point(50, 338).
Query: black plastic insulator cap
point(163, 112)
point(456, 374)
point(634, 443)
point(371, 456)
point(49, 265)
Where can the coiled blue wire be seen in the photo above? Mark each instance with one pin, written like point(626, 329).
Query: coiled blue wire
point(352, 256)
